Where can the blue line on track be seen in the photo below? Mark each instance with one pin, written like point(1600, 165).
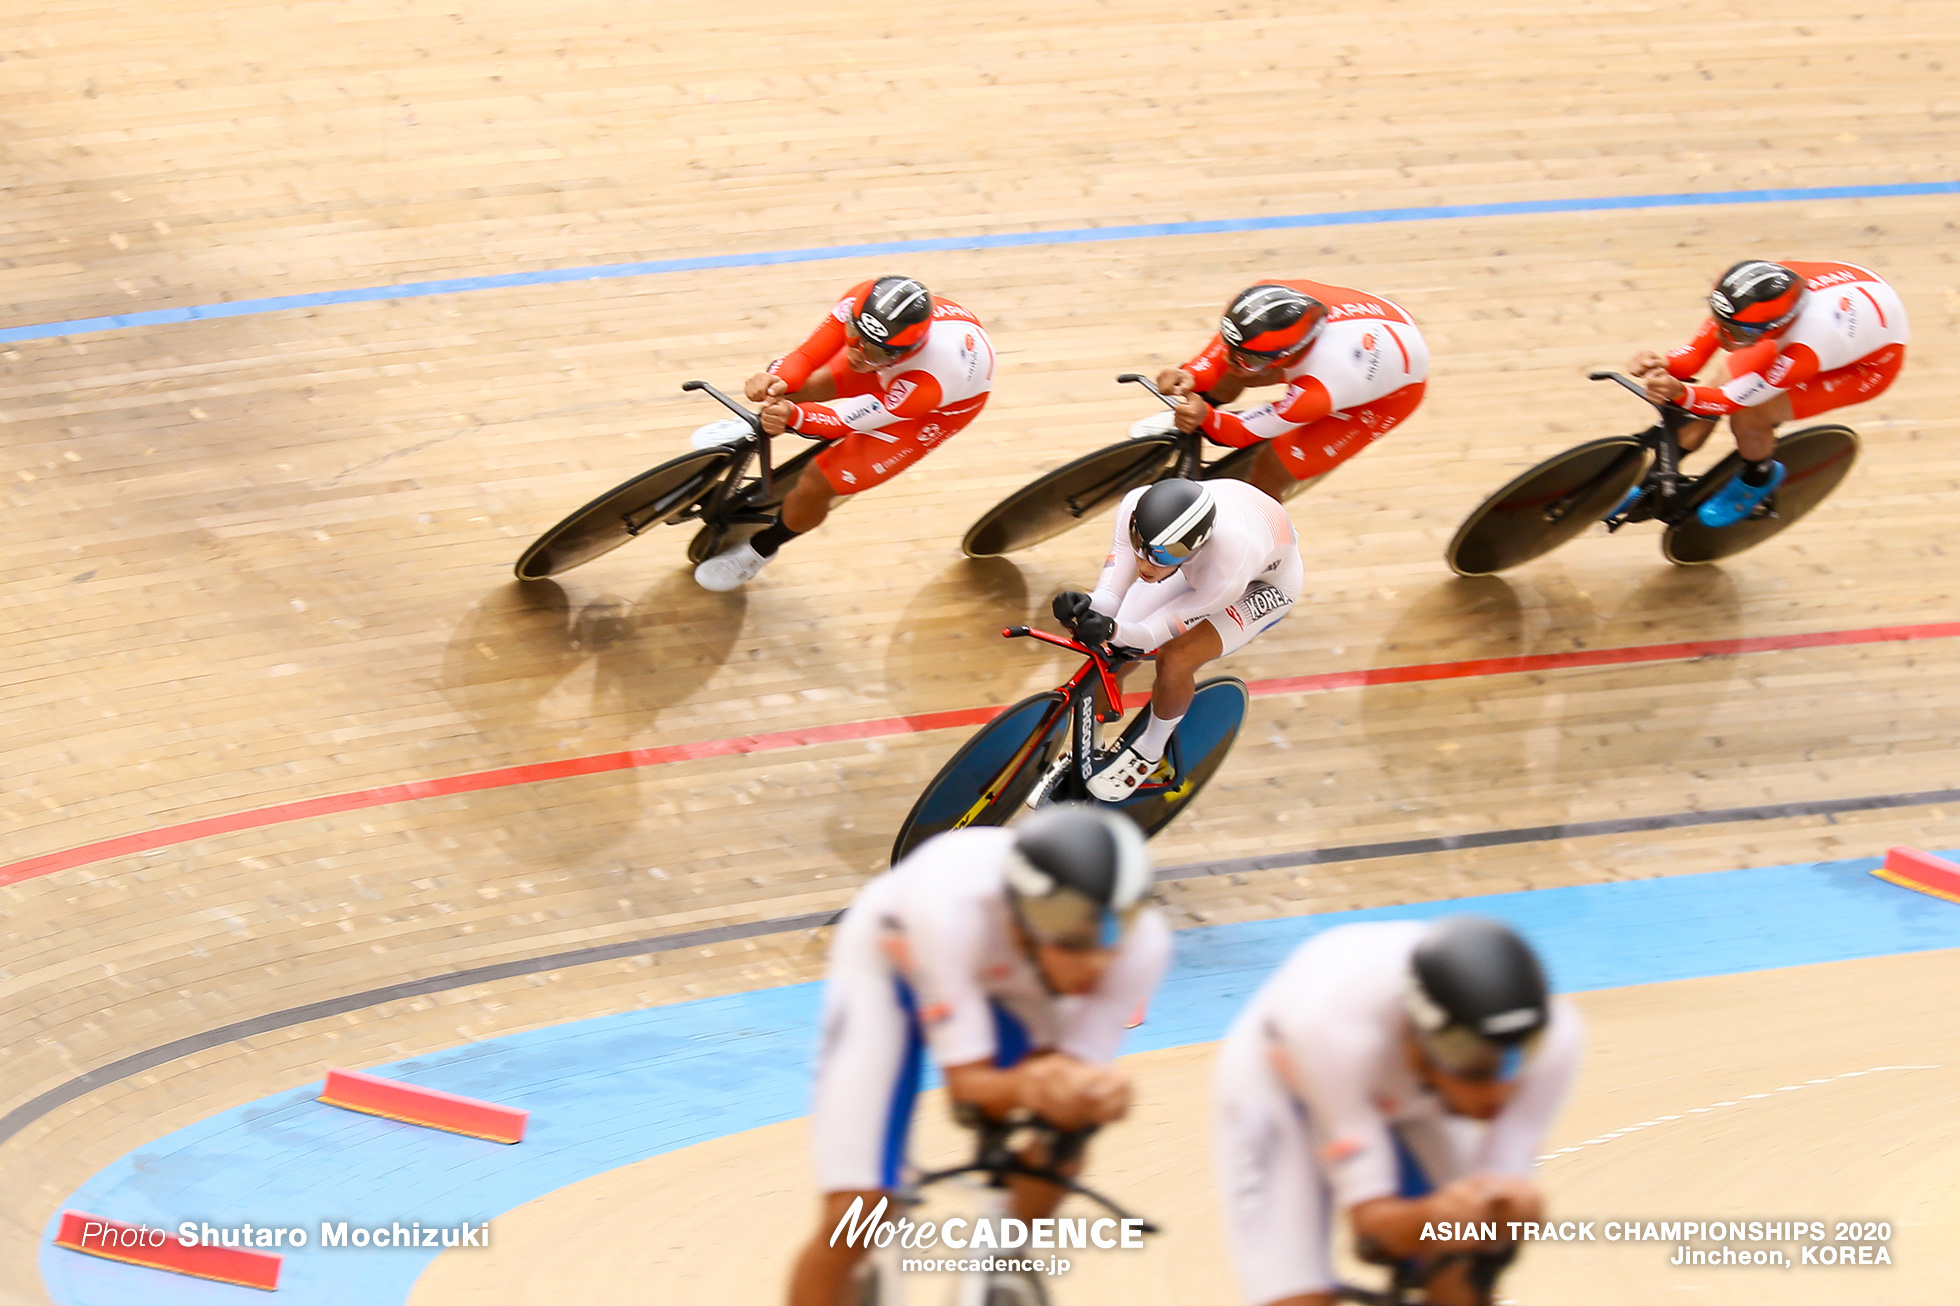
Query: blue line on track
point(606, 1092)
point(1002, 240)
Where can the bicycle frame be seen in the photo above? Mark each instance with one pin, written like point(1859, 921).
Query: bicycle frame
point(997, 1157)
point(720, 506)
point(1078, 761)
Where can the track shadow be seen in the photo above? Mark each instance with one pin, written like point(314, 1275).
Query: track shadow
point(946, 651)
point(515, 668)
point(1439, 746)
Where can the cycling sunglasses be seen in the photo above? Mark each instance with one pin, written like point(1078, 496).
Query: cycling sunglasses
point(875, 353)
point(1467, 1055)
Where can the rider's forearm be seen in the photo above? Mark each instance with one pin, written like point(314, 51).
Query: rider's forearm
point(1395, 1224)
point(994, 1092)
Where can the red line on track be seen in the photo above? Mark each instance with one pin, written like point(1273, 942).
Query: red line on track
point(532, 773)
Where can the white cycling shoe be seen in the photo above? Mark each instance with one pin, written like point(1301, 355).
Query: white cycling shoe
point(1164, 423)
point(1121, 777)
point(717, 434)
point(730, 569)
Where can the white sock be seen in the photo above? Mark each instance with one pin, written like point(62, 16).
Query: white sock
point(1150, 744)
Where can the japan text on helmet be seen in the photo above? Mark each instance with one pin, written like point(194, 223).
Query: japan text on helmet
point(891, 316)
point(1266, 323)
point(1172, 520)
point(1076, 875)
point(1476, 997)
point(1755, 299)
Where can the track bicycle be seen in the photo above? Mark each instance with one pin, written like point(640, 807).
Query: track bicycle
point(998, 1152)
point(1053, 503)
point(1045, 748)
point(1561, 497)
point(711, 486)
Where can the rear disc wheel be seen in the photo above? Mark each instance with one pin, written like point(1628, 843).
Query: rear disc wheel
point(1818, 458)
point(1052, 504)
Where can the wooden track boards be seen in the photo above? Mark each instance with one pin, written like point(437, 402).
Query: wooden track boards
point(266, 557)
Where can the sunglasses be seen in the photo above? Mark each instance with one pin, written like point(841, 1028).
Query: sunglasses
point(1254, 360)
point(877, 354)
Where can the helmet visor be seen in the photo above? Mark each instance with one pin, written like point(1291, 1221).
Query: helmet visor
point(1175, 553)
point(875, 354)
point(1072, 921)
point(1466, 1054)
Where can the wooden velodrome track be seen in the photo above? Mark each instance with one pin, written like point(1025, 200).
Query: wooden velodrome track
point(265, 558)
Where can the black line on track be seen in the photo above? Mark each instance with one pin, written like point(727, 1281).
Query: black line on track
point(36, 1107)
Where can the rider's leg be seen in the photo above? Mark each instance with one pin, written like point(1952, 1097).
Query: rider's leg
point(1694, 433)
point(1755, 431)
point(804, 510)
point(1319, 447)
point(822, 1274)
point(1177, 681)
point(1268, 473)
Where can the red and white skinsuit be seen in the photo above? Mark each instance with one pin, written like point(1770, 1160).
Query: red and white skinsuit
point(1846, 346)
point(1362, 377)
point(885, 420)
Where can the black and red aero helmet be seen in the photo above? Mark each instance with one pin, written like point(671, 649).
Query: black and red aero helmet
point(1271, 321)
point(1755, 298)
point(893, 313)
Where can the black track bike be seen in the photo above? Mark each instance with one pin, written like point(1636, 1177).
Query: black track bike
point(1564, 495)
point(999, 1148)
point(709, 486)
point(1045, 747)
point(1053, 503)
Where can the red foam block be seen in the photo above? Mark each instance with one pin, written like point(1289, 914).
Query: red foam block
point(134, 1244)
point(415, 1105)
point(1922, 871)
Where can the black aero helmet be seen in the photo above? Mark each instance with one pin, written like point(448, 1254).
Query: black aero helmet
point(1076, 875)
point(1172, 520)
point(1268, 322)
point(893, 314)
point(1476, 997)
point(1755, 298)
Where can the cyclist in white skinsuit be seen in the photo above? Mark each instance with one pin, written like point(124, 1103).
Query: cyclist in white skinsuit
point(1018, 958)
point(1352, 1082)
point(1196, 571)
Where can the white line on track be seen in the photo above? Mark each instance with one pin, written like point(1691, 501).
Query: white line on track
point(1704, 1110)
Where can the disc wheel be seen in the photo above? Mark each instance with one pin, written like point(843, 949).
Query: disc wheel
point(1237, 466)
point(1818, 458)
point(715, 536)
point(991, 775)
point(1202, 740)
point(1052, 504)
point(1548, 505)
point(624, 511)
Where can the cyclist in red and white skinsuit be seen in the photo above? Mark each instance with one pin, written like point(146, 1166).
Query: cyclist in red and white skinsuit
point(1803, 338)
point(891, 374)
point(1353, 364)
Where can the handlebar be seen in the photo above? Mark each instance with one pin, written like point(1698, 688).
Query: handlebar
point(1637, 388)
point(1137, 378)
point(755, 423)
point(997, 1156)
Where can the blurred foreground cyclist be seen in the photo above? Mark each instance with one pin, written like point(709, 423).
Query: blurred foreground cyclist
point(1018, 957)
point(1405, 1073)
